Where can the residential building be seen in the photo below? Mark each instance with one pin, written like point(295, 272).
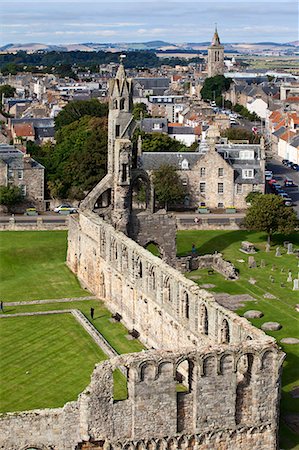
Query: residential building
point(19, 169)
point(220, 176)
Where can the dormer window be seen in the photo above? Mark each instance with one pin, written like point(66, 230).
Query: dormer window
point(185, 164)
point(246, 154)
point(156, 126)
point(248, 173)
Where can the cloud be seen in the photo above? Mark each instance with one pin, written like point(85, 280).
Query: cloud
point(127, 20)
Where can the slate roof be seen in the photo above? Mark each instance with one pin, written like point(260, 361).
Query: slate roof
point(157, 84)
point(279, 132)
point(153, 160)
point(180, 130)
point(36, 122)
point(295, 141)
point(14, 158)
point(147, 125)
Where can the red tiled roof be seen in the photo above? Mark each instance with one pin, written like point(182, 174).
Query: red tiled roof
point(23, 129)
point(280, 124)
point(174, 124)
point(275, 116)
point(287, 135)
point(294, 99)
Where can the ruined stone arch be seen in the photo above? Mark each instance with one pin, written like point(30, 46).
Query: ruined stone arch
point(244, 389)
point(225, 332)
point(267, 360)
point(138, 268)
point(162, 365)
point(114, 250)
point(185, 299)
point(183, 370)
point(140, 187)
point(166, 290)
point(204, 319)
point(226, 363)
point(152, 279)
point(209, 366)
point(147, 370)
point(124, 258)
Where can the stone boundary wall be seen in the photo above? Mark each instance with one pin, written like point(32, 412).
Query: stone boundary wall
point(208, 224)
point(168, 310)
point(39, 225)
point(54, 300)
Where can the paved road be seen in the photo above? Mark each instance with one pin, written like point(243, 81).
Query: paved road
point(280, 173)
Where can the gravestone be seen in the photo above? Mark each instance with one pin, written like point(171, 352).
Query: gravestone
point(296, 284)
point(290, 249)
point(251, 262)
point(271, 279)
point(271, 326)
point(290, 279)
point(277, 251)
point(247, 247)
point(268, 247)
point(263, 263)
point(282, 270)
point(253, 314)
point(286, 243)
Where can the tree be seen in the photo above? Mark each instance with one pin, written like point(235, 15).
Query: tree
point(159, 142)
point(168, 185)
point(10, 196)
point(268, 213)
point(138, 109)
point(7, 91)
point(79, 108)
point(252, 196)
point(237, 134)
point(213, 88)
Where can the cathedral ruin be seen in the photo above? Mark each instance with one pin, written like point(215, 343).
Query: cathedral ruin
point(230, 371)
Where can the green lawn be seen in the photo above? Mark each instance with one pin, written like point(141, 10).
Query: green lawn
point(281, 309)
point(32, 266)
point(45, 361)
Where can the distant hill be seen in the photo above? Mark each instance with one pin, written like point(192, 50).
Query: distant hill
point(150, 45)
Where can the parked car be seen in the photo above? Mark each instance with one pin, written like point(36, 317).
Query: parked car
point(31, 212)
point(65, 208)
point(289, 183)
point(272, 181)
point(295, 167)
point(283, 195)
point(288, 201)
point(285, 161)
point(289, 164)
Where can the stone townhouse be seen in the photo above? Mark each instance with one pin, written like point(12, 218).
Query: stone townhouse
point(19, 169)
point(217, 177)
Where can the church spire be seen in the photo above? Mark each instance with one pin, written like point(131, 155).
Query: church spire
point(216, 39)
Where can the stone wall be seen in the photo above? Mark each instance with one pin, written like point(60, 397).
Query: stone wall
point(168, 310)
point(218, 409)
point(215, 261)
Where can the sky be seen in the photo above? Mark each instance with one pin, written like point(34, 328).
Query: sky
point(74, 21)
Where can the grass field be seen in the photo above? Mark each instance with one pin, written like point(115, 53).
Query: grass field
point(281, 309)
point(40, 352)
point(55, 350)
point(32, 266)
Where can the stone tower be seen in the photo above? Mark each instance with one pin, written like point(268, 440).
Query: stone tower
point(215, 56)
point(120, 152)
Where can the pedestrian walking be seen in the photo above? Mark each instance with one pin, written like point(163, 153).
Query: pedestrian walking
point(1, 306)
point(92, 312)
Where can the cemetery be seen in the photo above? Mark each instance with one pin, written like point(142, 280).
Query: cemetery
point(270, 278)
point(265, 292)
